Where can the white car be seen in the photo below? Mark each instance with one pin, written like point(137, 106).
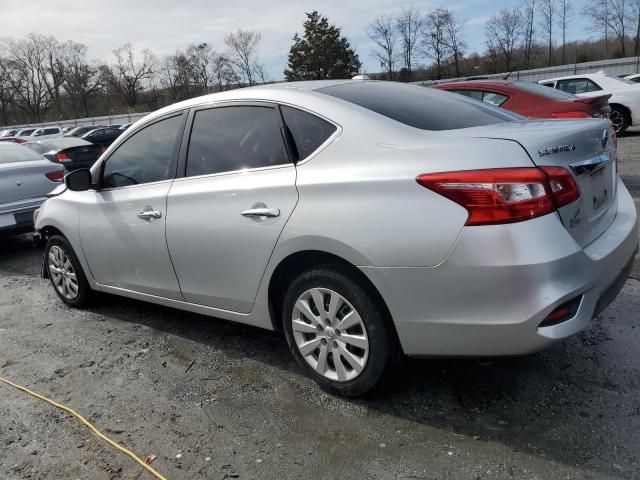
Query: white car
point(46, 132)
point(634, 77)
point(624, 101)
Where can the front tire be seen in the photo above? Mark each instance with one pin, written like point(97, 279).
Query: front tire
point(338, 331)
point(65, 272)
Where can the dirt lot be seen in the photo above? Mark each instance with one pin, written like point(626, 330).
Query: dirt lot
point(213, 399)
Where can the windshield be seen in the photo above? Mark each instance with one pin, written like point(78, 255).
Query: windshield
point(543, 90)
point(10, 153)
point(420, 107)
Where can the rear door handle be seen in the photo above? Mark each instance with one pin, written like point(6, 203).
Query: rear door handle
point(149, 213)
point(261, 212)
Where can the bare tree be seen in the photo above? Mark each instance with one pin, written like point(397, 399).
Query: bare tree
point(129, 77)
point(529, 15)
point(598, 12)
point(434, 42)
point(455, 40)
point(618, 20)
point(244, 47)
point(409, 25)
point(6, 95)
point(566, 11)
point(199, 58)
point(636, 15)
point(224, 76)
point(548, 11)
point(175, 76)
point(382, 31)
point(25, 71)
point(79, 79)
point(504, 34)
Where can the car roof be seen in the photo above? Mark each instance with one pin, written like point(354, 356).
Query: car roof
point(569, 77)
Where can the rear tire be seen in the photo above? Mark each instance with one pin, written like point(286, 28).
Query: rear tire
point(338, 331)
point(65, 272)
point(619, 118)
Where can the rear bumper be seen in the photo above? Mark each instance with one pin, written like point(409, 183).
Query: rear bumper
point(19, 215)
point(500, 282)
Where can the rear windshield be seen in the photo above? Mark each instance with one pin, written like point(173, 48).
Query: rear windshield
point(543, 90)
point(10, 153)
point(420, 107)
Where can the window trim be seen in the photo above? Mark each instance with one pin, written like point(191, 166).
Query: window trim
point(174, 160)
point(186, 137)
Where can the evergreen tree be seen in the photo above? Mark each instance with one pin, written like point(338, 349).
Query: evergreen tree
point(321, 52)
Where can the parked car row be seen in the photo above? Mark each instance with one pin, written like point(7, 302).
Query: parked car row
point(575, 96)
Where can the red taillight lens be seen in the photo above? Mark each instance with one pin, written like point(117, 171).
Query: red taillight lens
point(56, 176)
point(504, 195)
point(563, 186)
point(62, 157)
point(575, 114)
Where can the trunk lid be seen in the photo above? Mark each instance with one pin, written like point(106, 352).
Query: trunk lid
point(586, 148)
point(597, 106)
point(25, 179)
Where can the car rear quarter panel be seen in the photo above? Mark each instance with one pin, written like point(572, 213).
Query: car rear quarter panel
point(359, 198)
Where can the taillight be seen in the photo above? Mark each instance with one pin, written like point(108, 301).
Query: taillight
point(56, 176)
point(505, 195)
point(575, 114)
point(62, 157)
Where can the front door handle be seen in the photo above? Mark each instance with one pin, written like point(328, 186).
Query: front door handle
point(149, 213)
point(261, 212)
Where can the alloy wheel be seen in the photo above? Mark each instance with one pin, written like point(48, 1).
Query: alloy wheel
point(330, 334)
point(617, 119)
point(62, 273)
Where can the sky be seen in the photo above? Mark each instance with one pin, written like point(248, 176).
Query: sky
point(164, 26)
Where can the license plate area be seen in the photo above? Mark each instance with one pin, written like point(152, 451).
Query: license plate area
point(23, 218)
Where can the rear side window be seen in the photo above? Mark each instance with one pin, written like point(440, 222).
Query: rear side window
point(577, 85)
point(491, 98)
point(146, 156)
point(308, 131)
point(226, 139)
point(419, 107)
point(51, 131)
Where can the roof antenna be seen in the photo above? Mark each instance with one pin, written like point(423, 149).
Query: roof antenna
point(508, 75)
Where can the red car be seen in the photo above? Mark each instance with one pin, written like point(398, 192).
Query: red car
point(12, 139)
point(530, 99)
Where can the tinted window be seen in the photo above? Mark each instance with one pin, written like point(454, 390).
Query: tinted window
point(308, 131)
point(544, 90)
point(225, 139)
point(577, 85)
point(51, 131)
point(10, 153)
point(145, 156)
point(493, 98)
point(419, 107)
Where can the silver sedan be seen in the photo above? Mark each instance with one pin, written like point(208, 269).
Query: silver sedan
point(364, 219)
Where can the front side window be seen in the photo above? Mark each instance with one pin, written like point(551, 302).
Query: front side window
point(146, 156)
point(51, 131)
point(308, 131)
point(226, 139)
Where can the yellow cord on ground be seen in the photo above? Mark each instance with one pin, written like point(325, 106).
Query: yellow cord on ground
point(91, 427)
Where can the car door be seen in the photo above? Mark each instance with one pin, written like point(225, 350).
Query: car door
point(122, 223)
point(224, 216)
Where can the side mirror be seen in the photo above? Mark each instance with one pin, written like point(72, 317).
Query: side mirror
point(78, 180)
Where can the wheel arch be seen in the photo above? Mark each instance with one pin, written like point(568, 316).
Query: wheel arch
point(297, 262)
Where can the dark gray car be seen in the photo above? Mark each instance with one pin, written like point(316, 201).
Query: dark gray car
point(71, 152)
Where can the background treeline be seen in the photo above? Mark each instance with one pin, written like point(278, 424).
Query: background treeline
point(45, 79)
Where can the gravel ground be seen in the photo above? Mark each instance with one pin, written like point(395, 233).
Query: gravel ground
point(218, 400)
